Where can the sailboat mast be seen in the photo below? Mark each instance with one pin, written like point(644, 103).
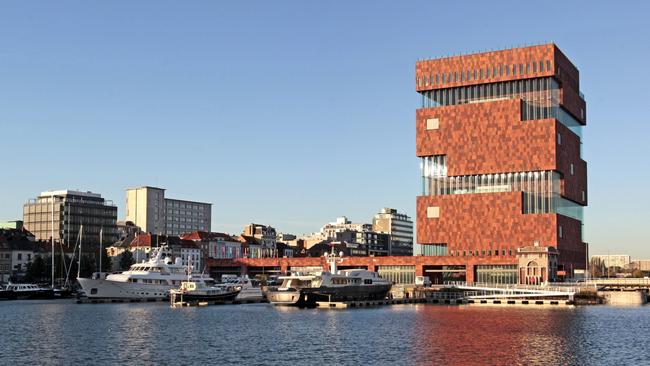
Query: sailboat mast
point(81, 235)
point(52, 206)
point(101, 237)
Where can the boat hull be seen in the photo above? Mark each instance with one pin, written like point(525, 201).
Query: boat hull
point(105, 289)
point(42, 294)
point(346, 293)
point(7, 295)
point(192, 297)
point(286, 297)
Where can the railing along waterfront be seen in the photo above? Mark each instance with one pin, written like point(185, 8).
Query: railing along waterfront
point(618, 281)
point(512, 287)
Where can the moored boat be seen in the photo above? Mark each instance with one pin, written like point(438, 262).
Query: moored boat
point(330, 286)
point(28, 291)
point(198, 291)
point(249, 290)
point(150, 280)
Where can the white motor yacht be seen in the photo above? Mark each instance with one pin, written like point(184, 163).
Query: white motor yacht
point(149, 280)
point(333, 285)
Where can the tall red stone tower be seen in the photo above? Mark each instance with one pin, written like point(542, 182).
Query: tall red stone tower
point(499, 137)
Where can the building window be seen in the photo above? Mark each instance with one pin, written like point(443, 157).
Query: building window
point(561, 231)
point(559, 139)
point(571, 169)
point(433, 250)
point(433, 123)
point(433, 212)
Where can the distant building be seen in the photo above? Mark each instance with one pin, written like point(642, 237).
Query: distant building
point(17, 250)
point(641, 264)
point(328, 231)
point(537, 266)
point(285, 237)
point(251, 247)
point(377, 244)
point(216, 245)
point(348, 249)
point(614, 260)
point(16, 224)
point(126, 228)
point(71, 210)
point(148, 208)
point(187, 250)
point(284, 250)
point(400, 228)
point(266, 236)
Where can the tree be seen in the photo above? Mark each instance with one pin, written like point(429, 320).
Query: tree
point(107, 262)
point(597, 267)
point(126, 260)
point(87, 266)
point(36, 269)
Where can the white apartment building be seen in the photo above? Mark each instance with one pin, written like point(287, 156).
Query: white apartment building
point(148, 208)
point(329, 231)
point(399, 226)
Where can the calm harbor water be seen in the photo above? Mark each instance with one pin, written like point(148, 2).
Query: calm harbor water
point(63, 332)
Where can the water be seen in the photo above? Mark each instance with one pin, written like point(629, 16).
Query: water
point(63, 332)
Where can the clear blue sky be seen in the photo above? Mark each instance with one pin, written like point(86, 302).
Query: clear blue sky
point(292, 112)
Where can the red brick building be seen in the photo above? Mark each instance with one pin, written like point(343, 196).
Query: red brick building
point(499, 138)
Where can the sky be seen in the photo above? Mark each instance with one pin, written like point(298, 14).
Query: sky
point(292, 113)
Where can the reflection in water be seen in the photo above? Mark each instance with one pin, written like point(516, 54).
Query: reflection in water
point(61, 332)
point(493, 335)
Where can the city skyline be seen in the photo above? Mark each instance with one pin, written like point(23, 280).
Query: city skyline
point(290, 127)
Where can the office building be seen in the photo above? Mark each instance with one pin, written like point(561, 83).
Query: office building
point(499, 136)
point(63, 212)
point(148, 208)
point(400, 228)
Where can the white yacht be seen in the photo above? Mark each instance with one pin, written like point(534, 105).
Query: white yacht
point(333, 285)
point(248, 289)
point(148, 280)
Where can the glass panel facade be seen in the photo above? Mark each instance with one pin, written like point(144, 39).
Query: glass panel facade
point(397, 274)
point(433, 250)
point(540, 96)
point(541, 189)
point(498, 274)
